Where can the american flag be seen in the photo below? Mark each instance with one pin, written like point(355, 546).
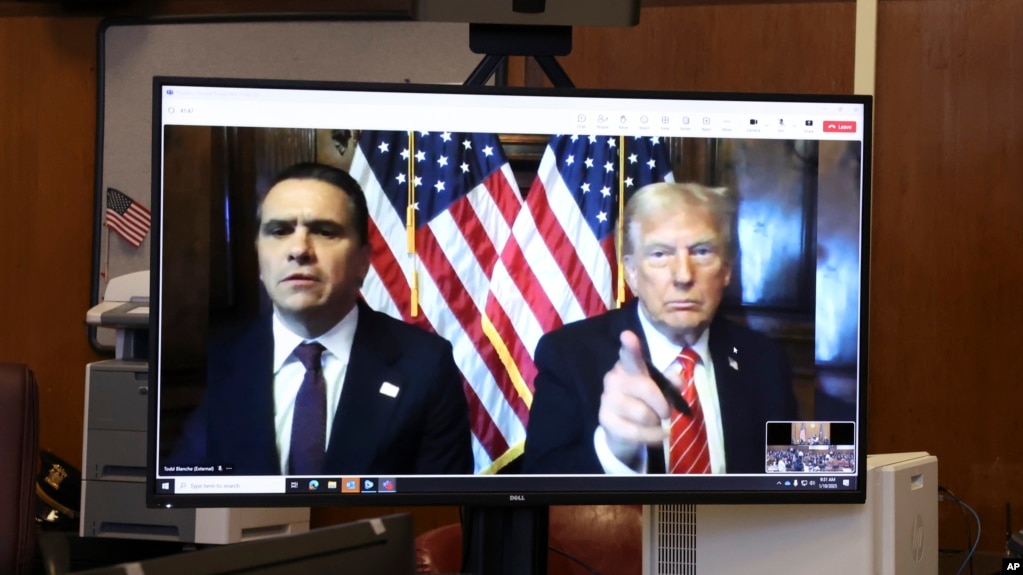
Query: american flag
point(560, 265)
point(464, 201)
point(128, 218)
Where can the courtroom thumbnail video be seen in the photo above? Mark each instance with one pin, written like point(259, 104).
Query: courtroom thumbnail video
point(810, 447)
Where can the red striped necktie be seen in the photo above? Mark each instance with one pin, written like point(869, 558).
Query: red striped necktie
point(690, 452)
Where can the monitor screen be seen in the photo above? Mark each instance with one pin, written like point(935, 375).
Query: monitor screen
point(402, 294)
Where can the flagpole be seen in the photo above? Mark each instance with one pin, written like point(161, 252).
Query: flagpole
point(620, 298)
point(105, 273)
point(410, 225)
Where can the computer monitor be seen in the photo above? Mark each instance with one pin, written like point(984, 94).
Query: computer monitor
point(366, 547)
point(494, 219)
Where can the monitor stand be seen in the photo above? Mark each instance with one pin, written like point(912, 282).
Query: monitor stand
point(499, 41)
point(508, 540)
point(505, 540)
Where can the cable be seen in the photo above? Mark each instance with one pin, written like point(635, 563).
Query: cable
point(1009, 531)
point(1008, 525)
point(970, 547)
point(576, 559)
point(966, 521)
point(973, 548)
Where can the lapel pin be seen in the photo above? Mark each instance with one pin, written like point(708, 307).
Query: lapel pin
point(389, 389)
point(733, 364)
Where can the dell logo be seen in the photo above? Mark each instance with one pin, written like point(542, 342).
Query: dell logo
point(516, 498)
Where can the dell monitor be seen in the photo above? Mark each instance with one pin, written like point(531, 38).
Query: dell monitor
point(492, 235)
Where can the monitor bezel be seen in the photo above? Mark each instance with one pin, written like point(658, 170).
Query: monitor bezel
point(487, 495)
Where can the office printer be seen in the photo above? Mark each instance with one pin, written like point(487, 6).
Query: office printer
point(125, 308)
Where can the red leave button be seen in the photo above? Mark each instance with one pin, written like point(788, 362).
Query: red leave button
point(839, 126)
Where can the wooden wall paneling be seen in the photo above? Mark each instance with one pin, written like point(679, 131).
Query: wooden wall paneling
point(189, 181)
point(47, 115)
point(947, 261)
point(795, 47)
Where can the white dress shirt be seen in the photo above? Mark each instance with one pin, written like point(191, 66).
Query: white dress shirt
point(289, 372)
point(664, 356)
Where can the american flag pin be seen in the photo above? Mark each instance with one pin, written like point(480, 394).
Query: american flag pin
point(389, 389)
point(733, 364)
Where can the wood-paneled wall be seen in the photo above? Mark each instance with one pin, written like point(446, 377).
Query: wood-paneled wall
point(946, 262)
point(742, 47)
point(47, 132)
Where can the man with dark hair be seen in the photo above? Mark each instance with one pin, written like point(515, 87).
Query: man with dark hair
point(661, 385)
point(325, 385)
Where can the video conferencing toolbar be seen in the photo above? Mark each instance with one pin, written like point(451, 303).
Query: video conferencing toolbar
point(453, 112)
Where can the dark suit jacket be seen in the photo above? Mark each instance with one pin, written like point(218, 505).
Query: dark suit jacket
point(572, 361)
point(423, 430)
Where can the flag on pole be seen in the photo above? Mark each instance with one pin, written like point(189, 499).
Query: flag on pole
point(463, 200)
point(560, 264)
point(126, 217)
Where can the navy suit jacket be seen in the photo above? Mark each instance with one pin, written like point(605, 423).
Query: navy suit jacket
point(751, 371)
point(424, 429)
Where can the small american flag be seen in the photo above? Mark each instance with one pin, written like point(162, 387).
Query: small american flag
point(126, 217)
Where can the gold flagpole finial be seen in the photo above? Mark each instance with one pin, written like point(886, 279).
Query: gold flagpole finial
point(410, 229)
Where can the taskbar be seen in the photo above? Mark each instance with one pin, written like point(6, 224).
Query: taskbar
point(442, 484)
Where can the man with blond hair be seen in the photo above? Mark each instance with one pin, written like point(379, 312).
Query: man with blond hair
point(663, 384)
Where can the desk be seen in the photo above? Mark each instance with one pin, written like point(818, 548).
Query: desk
point(62, 552)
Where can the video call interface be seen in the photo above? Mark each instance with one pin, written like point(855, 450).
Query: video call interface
point(494, 219)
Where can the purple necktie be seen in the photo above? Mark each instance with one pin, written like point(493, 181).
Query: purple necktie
point(309, 422)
